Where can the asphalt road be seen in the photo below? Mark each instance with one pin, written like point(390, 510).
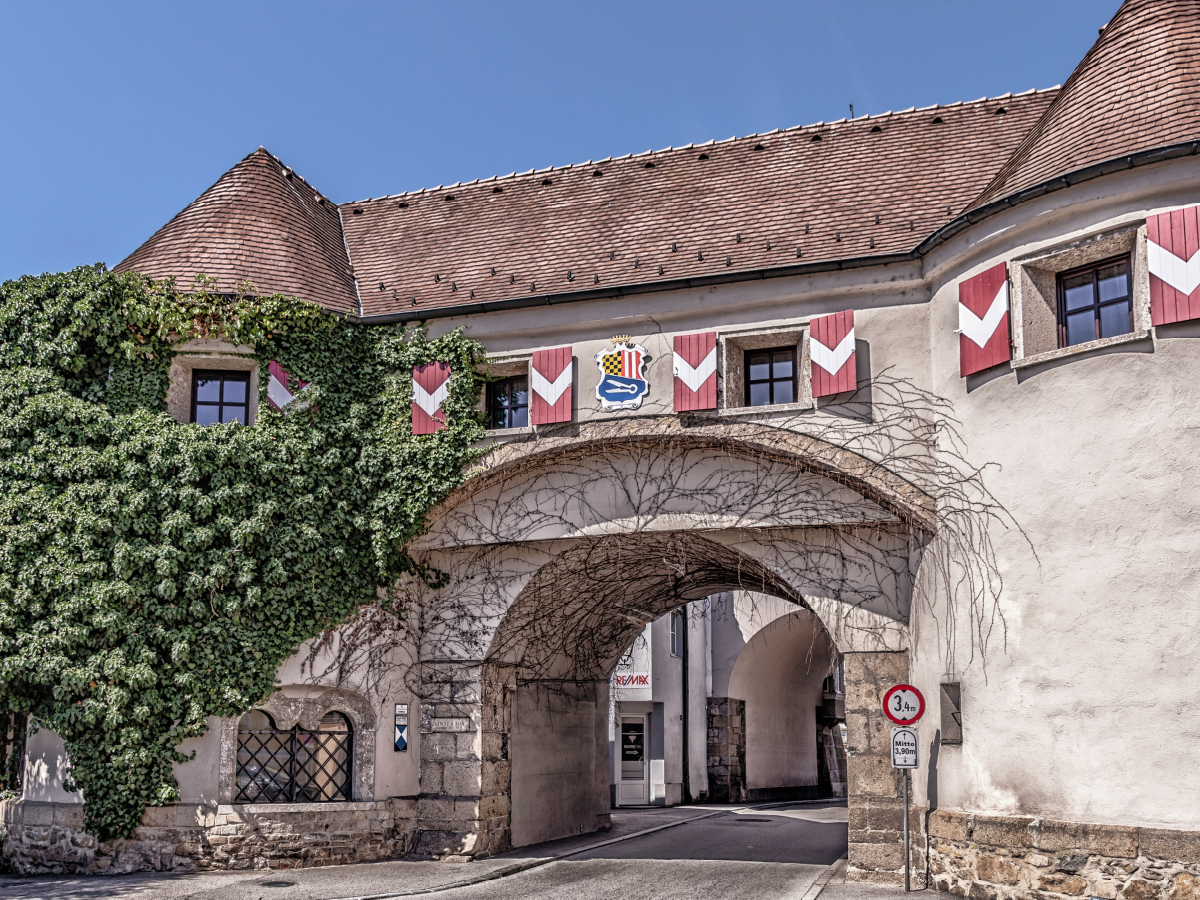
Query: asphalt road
point(739, 852)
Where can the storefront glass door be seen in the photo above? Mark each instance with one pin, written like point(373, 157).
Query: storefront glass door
point(634, 787)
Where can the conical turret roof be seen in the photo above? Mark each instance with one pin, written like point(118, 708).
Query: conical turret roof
point(1138, 88)
point(262, 223)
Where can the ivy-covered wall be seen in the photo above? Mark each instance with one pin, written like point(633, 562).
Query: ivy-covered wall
point(154, 574)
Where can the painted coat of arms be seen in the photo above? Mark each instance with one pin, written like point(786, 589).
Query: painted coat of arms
point(622, 374)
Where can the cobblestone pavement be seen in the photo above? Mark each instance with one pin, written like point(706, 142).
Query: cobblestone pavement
point(721, 851)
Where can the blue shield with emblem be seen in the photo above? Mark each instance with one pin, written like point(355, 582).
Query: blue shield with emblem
point(622, 375)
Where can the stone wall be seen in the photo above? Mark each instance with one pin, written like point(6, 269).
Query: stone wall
point(726, 750)
point(1004, 857)
point(874, 787)
point(464, 799)
point(48, 838)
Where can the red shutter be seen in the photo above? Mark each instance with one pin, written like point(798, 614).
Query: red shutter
point(279, 394)
point(983, 339)
point(1173, 258)
point(550, 375)
point(431, 387)
point(831, 349)
point(695, 371)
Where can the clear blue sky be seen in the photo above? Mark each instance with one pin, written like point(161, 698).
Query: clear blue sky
point(116, 115)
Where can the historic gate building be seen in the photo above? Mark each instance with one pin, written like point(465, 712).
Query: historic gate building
point(929, 378)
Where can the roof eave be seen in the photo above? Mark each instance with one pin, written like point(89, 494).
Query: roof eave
point(646, 287)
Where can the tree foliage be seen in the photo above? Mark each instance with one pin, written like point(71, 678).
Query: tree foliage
point(155, 573)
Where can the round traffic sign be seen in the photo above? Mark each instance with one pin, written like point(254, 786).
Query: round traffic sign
point(903, 704)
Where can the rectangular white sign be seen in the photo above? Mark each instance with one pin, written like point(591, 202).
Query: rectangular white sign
point(904, 747)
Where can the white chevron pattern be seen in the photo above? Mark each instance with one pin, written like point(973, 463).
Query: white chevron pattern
point(549, 390)
point(278, 393)
point(430, 403)
point(978, 330)
point(696, 377)
point(1183, 275)
point(831, 360)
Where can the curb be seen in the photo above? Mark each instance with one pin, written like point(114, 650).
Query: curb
point(815, 889)
point(518, 868)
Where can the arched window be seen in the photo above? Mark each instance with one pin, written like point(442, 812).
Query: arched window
point(293, 766)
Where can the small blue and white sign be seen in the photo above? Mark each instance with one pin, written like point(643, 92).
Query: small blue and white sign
point(622, 374)
point(401, 727)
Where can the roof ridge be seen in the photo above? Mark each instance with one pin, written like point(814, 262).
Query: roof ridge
point(710, 142)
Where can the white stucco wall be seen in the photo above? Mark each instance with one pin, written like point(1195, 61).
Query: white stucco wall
point(46, 768)
point(779, 674)
point(1080, 707)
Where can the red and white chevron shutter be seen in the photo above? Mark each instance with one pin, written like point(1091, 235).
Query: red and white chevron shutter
point(431, 387)
point(983, 339)
point(695, 371)
point(831, 349)
point(278, 393)
point(550, 375)
point(1173, 258)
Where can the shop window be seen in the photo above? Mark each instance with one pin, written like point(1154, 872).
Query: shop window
point(293, 765)
point(770, 376)
point(220, 396)
point(508, 402)
point(1095, 302)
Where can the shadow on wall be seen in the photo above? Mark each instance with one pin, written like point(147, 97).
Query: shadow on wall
point(46, 768)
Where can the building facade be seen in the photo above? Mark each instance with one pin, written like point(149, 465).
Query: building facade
point(929, 378)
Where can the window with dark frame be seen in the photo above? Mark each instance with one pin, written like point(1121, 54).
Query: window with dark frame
point(293, 765)
point(678, 623)
point(508, 402)
point(1095, 301)
point(770, 376)
point(220, 396)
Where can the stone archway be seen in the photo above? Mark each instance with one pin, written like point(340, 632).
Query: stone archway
point(558, 551)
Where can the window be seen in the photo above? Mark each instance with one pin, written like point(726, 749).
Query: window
point(508, 403)
point(1095, 302)
point(220, 396)
point(678, 623)
point(293, 766)
point(771, 376)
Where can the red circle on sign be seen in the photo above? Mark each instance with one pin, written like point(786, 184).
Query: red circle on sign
point(898, 703)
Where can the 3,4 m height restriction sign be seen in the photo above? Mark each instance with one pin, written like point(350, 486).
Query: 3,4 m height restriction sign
point(903, 704)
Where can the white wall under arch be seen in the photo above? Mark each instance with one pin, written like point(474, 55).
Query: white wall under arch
point(779, 674)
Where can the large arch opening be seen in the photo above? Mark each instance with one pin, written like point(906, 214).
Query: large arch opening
point(561, 550)
point(548, 673)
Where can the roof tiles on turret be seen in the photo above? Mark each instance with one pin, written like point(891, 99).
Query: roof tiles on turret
point(1138, 88)
point(260, 223)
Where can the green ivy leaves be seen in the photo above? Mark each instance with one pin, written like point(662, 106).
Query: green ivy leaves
point(154, 574)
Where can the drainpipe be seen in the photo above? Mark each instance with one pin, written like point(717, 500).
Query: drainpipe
point(687, 780)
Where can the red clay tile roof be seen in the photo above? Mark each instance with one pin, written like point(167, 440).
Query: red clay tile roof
point(868, 186)
point(1138, 88)
point(262, 223)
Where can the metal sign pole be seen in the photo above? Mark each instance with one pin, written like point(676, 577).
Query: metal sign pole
point(907, 886)
point(905, 705)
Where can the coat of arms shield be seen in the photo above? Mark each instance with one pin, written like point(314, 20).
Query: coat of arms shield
point(622, 374)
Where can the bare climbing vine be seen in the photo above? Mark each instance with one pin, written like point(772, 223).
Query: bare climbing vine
point(559, 550)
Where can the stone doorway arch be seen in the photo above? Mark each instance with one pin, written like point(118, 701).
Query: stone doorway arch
point(558, 550)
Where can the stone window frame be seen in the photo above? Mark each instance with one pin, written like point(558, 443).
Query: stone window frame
point(731, 386)
point(1033, 283)
point(208, 354)
point(506, 367)
point(307, 711)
